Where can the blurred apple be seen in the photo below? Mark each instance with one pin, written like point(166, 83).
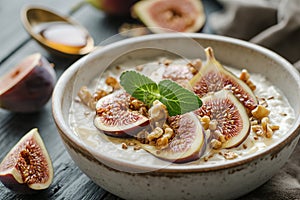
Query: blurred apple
point(113, 7)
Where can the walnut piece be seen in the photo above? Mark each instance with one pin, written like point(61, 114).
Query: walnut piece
point(86, 97)
point(260, 112)
point(229, 155)
point(216, 144)
point(111, 81)
point(245, 76)
point(205, 120)
point(156, 133)
point(264, 128)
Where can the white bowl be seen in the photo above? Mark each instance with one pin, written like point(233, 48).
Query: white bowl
point(131, 180)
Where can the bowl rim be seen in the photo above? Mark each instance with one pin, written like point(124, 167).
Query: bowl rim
point(67, 133)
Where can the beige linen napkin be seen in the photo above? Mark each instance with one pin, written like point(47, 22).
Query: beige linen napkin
point(274, 24)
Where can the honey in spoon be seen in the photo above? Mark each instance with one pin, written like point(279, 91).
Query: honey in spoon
point(62, 36)
point(56, 33)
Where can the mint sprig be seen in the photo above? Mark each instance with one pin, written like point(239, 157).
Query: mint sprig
point(177, 99)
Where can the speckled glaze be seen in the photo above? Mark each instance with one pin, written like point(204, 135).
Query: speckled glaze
point(222, 181)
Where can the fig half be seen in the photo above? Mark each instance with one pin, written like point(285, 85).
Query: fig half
point(213, 77)
point(115, 118)
point(28, 86)
point(167, 16)
point(187, 143)
point(27, 167)
point(231, 116)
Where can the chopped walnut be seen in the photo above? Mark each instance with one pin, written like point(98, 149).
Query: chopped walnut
point(156, 133)
point(99, 94)
point(205, 120)
point(256, 128)
point(274, 127)
point(168, 133)
point(219, 136)
point(264, 128)
point(137, 147)
point(213, 125)
point(131, 143)
point(167, 62)
point(254, 122)
point(142, 136)
point(245, 76)
point(111, 81)
point(260, 112)
point(216, 144)
point(124, 146)
point(229, 155)
point(135, 104)
point(196, 64)
point(86, 97)
point(162, 142)
point(264, 123)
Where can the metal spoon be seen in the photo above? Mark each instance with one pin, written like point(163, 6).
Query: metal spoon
point(42, 23)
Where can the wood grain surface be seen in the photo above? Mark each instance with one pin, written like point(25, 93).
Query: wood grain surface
point(69, 182)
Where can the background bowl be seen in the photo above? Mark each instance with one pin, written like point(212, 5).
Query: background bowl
point(131, 180)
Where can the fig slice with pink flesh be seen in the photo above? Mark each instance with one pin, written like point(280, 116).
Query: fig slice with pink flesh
point(28, 86)
point(186, 145)
point(115, 118)
point(27, 167)
point(168, 16)
point(231, 116)
point(213, 77)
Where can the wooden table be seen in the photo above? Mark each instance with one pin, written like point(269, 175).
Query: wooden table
point(69, 182)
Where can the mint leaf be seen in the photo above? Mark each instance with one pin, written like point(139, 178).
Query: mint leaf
point(177, 99)
point(139, 86)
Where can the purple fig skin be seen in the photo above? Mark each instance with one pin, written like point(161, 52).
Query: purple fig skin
point(129, 133)
point(31, 92)
point(10, 182)
point(114, 7)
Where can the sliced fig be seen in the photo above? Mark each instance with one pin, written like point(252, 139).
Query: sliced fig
point(27, 167)
point(167, 16)
point(231, 116)
point(187, 143)
point(115, 118)
point(213, 77)
point(28, 86)
point(178, 73)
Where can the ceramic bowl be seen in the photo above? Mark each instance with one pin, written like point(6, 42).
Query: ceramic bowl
point(130, 180)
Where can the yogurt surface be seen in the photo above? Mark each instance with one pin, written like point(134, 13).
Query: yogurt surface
point(81, 119)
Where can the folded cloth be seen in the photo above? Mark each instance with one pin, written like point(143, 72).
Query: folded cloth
point(274, 24)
